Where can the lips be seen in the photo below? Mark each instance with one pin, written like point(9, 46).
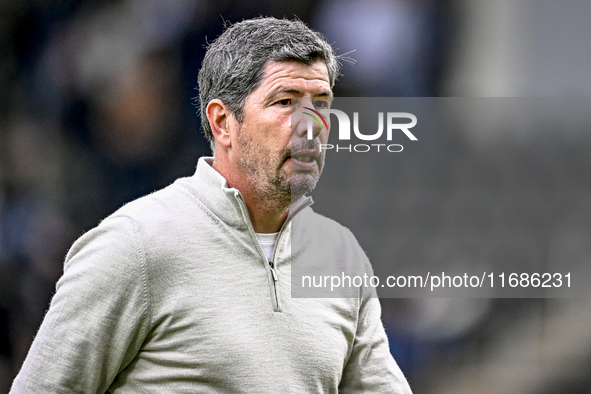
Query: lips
point(305, 159)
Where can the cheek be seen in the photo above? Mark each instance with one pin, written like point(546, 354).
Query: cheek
point(271, 131)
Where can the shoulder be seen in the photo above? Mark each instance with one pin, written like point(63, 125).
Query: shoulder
point(172, 201)
point(317, 228)
point(125, 238)
point(110, 251)
point(164, 216)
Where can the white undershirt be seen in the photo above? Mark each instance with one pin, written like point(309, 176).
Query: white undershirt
point(268, 242)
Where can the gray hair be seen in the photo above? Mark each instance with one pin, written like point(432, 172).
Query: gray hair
point(234, 63)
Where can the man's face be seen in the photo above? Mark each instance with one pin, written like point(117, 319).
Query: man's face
point(272, 152)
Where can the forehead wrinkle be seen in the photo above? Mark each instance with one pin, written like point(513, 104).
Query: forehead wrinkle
point(317, 73)
point(309, 88)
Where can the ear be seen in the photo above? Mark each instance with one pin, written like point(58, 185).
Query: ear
point(220, 117)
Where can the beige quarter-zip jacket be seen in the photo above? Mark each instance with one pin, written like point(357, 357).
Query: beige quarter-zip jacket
point(173, 294)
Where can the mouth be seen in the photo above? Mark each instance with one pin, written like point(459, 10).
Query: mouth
point(305, 159)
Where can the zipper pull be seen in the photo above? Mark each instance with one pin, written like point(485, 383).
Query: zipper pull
point(273, 271)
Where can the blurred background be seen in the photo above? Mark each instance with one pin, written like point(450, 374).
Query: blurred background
point(96, 109)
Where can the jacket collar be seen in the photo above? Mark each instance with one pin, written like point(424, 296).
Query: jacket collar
point(227, 203)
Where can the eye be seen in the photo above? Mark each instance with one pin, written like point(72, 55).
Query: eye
point(284, 102)
point(321, 104)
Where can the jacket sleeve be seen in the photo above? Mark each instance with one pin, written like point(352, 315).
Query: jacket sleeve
point(98, 317)
point(370, 367)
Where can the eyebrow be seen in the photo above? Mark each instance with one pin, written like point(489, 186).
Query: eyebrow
point(296, 92)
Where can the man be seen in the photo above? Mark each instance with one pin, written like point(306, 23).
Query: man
point(176, 293)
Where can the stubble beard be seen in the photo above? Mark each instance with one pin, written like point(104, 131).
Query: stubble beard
point(267, 176)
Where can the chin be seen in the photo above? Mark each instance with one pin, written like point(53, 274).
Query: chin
point(302, 183)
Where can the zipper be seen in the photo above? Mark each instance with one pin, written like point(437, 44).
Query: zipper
point(272, 266)
point(273, 271)
point(276, 305)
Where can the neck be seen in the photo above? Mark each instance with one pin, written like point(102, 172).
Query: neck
point(267, 209)
point(266, 215)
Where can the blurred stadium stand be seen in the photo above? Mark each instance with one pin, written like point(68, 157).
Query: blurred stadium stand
point(96, 109)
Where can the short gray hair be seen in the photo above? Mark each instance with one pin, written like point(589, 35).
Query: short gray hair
point(234, 63)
